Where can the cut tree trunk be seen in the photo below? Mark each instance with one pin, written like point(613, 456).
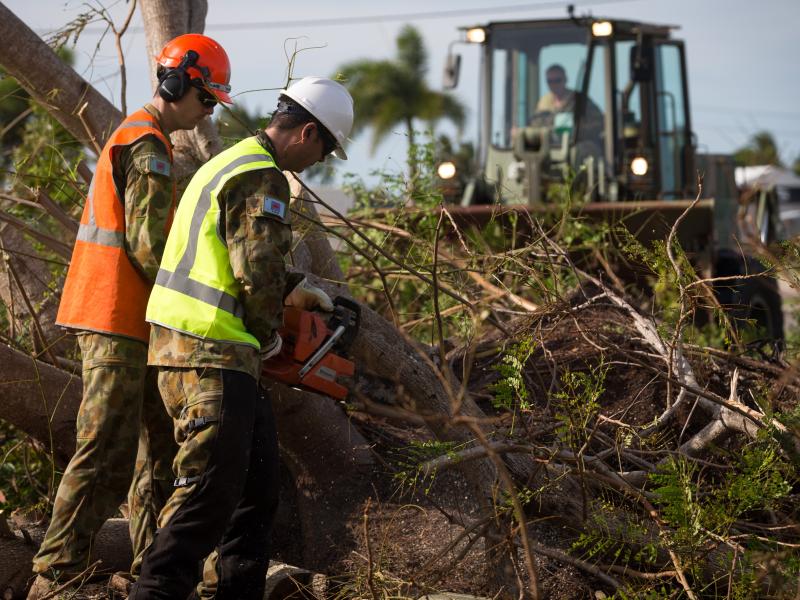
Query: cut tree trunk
point(40, 400)
point(332, 468)
point(382, 350)
point(111, 545)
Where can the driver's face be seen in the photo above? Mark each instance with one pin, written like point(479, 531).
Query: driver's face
point(557, 82)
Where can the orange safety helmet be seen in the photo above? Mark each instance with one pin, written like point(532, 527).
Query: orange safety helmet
point(211, 67)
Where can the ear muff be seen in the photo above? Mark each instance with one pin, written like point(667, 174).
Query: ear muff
point(174, 83)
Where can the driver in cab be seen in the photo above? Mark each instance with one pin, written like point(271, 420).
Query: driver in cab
point(555, 108)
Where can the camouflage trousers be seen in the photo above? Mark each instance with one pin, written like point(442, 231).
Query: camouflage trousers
point(124, 445)
point(226, 491)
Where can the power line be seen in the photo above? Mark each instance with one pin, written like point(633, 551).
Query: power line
point(750, 111)
point(367, 19)
point(418, 16)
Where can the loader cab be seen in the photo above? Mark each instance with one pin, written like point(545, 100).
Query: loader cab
point(620, 131)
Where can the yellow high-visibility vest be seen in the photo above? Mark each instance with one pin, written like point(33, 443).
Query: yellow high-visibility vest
point(195, 290)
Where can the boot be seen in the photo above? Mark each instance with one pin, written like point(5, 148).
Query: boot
point(42, 586)
point(119, 585)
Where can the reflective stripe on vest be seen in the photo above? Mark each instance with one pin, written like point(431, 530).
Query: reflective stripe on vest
point(195, 291)
point(90, 232)
point(103, 291)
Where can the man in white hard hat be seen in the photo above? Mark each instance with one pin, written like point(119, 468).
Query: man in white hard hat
point(215, 310)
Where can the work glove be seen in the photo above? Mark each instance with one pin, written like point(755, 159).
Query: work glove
point(272, 347)
point(307, 297)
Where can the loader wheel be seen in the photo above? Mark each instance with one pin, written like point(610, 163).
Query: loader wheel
point(760, 307)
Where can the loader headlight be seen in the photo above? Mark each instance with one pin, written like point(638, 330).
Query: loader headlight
point(639, 166)
point(602, 28)
point(476, 35)
point(446, 170)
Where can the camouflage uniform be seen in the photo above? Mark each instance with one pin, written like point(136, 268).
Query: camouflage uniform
point(121, 407)
point(193, 374)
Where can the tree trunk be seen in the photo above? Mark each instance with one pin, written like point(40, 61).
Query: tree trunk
point(40, 400)
point(165, 20)
point(413, 171)
point(332, 467)
point(53, 84)
point(111, 545)
point(380, 349)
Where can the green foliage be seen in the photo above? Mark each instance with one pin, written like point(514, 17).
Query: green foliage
point(699, 508)
point(677, 497)
point(27, 128)
point(664, 279)
point(38, 156)
point(14, 110)
point(577, 403)
point(37, 153)
point(47, 158)
point(412, 458)
point(25, 471)
point(409, 234)
point(790, 419)
point(510, 391)
point(706, 325)
point(575, 232)
point(627, 541)
point(759, 481)
point(658, 592)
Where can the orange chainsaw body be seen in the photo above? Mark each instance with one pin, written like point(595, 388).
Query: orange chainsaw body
point(303, 333)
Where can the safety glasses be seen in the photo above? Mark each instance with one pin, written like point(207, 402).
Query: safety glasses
point(206, 98)
point(328, 141)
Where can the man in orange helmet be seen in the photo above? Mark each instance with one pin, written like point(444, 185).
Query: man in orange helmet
point(124, 440)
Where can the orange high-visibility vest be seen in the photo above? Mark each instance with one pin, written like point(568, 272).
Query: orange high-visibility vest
point(104, 292)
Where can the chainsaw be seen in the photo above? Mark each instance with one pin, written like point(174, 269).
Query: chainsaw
point(310, 356)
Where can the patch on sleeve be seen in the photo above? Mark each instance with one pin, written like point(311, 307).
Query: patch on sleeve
point(159, 165)
point(274, 208)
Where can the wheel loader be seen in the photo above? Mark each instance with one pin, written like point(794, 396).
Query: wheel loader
point(603, 104)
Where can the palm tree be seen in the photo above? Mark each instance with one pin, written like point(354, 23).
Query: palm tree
point(388, 93)
point(760, 150)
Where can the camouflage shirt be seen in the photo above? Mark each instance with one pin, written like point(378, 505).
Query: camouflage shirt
point(256, 245)
point(148, 198)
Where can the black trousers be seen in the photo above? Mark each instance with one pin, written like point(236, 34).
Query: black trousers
point(232, 505)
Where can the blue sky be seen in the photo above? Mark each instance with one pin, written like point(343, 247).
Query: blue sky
point(744, 72)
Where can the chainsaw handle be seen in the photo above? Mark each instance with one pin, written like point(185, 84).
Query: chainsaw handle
point(346, 312)
point(351, 305)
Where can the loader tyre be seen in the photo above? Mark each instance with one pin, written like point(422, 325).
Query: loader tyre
point(760, 303)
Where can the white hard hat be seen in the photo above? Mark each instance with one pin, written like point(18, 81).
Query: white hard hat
point(328, 102)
